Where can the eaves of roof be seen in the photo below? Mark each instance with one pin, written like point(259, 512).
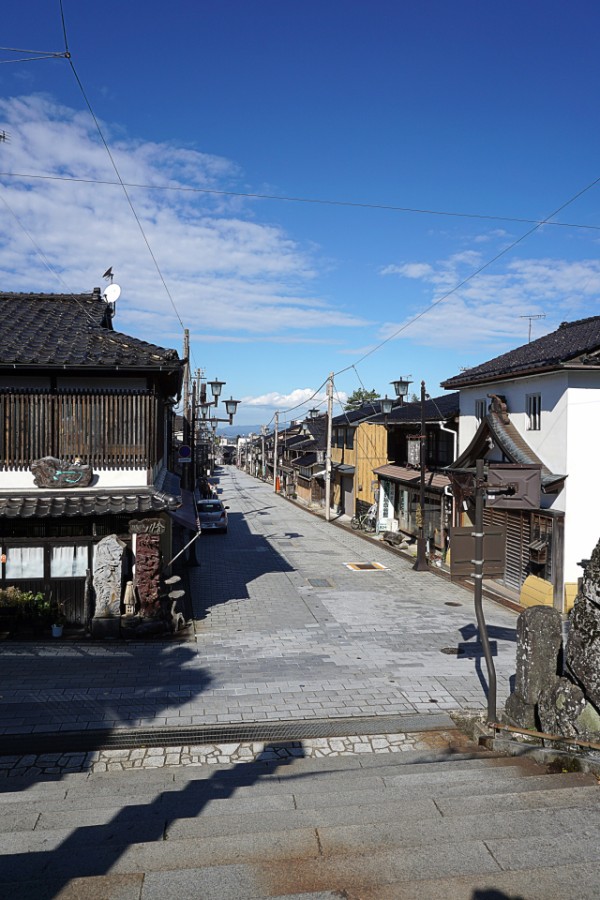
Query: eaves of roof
point(412, 477)
point(572, 344)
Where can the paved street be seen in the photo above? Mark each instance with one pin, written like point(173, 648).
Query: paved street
point(284, 631)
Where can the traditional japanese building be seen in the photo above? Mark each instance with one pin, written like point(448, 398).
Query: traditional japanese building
point(85, 440)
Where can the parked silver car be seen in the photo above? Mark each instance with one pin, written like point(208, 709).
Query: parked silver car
point(212, 515)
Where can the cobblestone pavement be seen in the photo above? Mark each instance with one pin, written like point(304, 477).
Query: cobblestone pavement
point(222, 754)
point(284, 631)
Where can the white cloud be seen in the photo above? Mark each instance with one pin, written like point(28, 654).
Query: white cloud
point(409, 270)
point(491, 308)
point(295, 403)
point(225, 271)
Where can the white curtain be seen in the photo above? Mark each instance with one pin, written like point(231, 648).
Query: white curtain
point(68, 562)
point(24, 562)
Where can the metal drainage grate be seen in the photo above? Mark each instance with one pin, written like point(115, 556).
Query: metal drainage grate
point(451, 651)
point(122, 738)
point(452, 603)
point(320, 582)
point(365, 567)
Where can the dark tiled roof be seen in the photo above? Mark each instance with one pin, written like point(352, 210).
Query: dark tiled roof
point(306, 460)
point(437, 409)
point(71, 330)
point(164, 495)
point(573, 341)
point(354, 416)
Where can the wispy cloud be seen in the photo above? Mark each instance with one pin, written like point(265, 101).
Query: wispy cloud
point(226, 272)
point(490, 308)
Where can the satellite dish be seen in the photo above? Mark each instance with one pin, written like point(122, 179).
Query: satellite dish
point(112, 293)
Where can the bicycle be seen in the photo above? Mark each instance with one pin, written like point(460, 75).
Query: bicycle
point(363, 523)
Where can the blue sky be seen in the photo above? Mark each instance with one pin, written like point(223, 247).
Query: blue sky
point(485, 109)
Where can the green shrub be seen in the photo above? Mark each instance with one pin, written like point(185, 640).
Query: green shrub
point(26, 604)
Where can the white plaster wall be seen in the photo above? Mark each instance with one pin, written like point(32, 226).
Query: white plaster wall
point(582, 519)
point(106, 478)
point(567, 443)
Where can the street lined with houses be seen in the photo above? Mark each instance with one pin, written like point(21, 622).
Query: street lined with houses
point(284, 631)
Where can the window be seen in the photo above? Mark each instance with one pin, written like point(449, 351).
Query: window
point(69, 561)
point(534, 412)
point(480, 410)
point(24, 562)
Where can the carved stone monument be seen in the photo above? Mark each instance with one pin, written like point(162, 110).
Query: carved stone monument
point(108, 578)
point(539, 640)
point(147, 574)
point(49, 472)
point(583, 645)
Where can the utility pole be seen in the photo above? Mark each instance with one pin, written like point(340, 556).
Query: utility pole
point(480, 483)
point(186, 400)
point(275, 457)
point(186, 375)
point(328, 451)
point(193, 438)
point(421, 564)
point(263, 468)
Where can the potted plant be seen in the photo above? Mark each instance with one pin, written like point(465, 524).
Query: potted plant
point(59, 620)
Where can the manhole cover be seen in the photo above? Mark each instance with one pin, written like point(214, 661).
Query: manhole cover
point(319, 582)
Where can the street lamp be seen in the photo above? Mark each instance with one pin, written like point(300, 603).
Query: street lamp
point(386, 405)
point(401, 386)
point(215, 387)
point(231, 406)
point(314, 413)
point(421, 564)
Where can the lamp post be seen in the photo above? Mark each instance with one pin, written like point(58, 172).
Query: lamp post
point(275, 454)
point(205, 406)
point(421, 563)
point(328, 452)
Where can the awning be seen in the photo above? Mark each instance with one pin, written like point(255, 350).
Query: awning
point(185, 515)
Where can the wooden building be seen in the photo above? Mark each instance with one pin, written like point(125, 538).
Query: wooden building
point(75, 390)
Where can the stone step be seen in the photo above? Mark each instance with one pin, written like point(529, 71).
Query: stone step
point(152, 783)
point(553, 883)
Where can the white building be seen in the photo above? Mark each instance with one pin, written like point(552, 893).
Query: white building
point(538, 409)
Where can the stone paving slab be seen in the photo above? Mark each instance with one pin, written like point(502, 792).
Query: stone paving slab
point(270, 645)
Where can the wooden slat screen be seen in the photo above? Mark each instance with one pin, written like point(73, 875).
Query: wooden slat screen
point(107, 430)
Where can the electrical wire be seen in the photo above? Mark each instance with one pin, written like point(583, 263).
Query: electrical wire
point(470, 277)
point(46, 261)
point(291, 199)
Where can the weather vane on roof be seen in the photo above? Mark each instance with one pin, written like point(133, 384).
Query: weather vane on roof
point(109, 274)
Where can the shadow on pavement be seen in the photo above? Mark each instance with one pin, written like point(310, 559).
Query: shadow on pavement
point(93, 850)
point(87, 687)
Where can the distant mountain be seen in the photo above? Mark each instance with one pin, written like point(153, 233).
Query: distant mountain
point(232, 431)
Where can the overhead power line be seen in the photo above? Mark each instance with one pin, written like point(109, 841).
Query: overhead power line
point(321, 201)
point(470, 277)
